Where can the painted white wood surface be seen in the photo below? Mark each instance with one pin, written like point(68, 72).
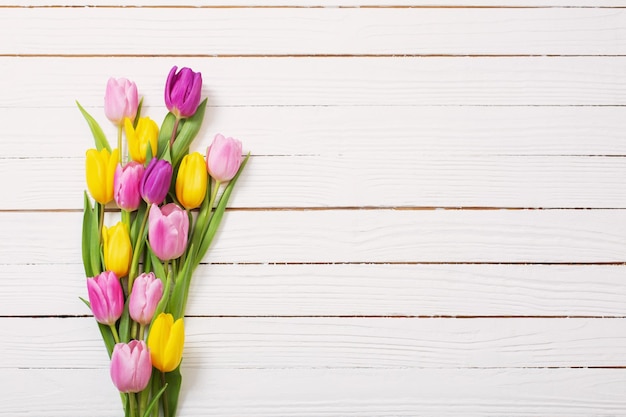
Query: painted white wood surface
point(433, 221)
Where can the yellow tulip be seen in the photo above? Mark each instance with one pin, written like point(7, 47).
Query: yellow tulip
point(139, 137)
point(100, 171)
point(166, 340)
point(191, 181)
point(118, 251)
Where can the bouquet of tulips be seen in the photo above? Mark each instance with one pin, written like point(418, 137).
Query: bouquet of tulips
point(139, 269)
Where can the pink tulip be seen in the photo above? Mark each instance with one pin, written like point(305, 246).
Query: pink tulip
point(146, 294)
point(106, 297)
point(120, 100)
point(168, 228)
point(131, 367)
point(126, 185)
point(223, 158)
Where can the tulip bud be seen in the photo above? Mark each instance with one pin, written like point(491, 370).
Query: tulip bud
point(120, 100)
point(100, 170)
point(166, 340)
point(106, 297)
point(191, 181)
point(146, 294)
point(168, 227)
point(183, 91)
point(139, 137)
point(223, 158)
point(156, 181)
point(131, 367)
point(118, 251)
point(126, 185)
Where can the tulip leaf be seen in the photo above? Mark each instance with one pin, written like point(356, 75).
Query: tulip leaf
point(155, 400)
point(216, 218)
point(98, 135)
point(95, 252)
point(178, 301)
point(138, 114)
point(187, 133)
point(165, 134)
point(124, 330)
point(173, 380)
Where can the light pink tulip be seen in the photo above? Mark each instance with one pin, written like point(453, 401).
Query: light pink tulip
point(223, 158)
point(120, 100)
point(131, 367)
point(146, 294)
point(168, 228)
point(126, 185)
point(106, 297)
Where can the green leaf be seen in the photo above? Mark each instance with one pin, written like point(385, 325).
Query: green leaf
point(98, 135)
point(173, 380)
point(178, 300)
point(95, 251)
point(125, 323)
point(138, 115)
point(187, 133)
point(216, 218)
point(165, 133)
point(155, 400)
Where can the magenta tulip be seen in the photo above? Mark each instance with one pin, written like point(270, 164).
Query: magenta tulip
point(223, 158)
point(146, 294)
point(183, 90)
point(126, 185)
point(168, 227)
point(156, 181)
point(131, 367)
point(120, 100)
point(106, 297)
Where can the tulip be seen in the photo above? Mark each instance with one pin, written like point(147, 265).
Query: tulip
point(106, 297)
point(146, 294)
point(139, 137)
point(118, 251)
point(223, 158)
point(166, 340)
point(156, 181)
point(120, 100)
point(100, 170)
point(126, 185)
point(168, 227)
point(182, 92)
point(191, 181)
point(131, 367)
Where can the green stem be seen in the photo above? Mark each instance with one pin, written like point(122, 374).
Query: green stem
point(116, 336)
point(134, 264)
point(142, 331)
point(133, 404)
point(166, 411)
point(211, 202)
point(173, 137)
point(119, 143)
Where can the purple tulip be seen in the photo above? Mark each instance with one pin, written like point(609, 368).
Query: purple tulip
point(156, 181)
point(223, 158)
point(131, 367)
point(106, 297)
point(146, 294)
point(182, 92)
point(168, 228)
point(120, 100)
point(126, 185)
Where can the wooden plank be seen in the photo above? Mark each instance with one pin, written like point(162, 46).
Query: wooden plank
point(335, 392)
point(352, 130)
point(349, 290)
point(389, 178)
point(451, 81)
point(356, 236)
point(307, 343)
point(313, 31)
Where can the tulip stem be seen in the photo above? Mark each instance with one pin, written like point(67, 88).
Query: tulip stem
point(119, 143)
point(116, 336)
point(133, 404)
point(173, 137)
point(166, 411)
point(134, 264)
point(142, 330)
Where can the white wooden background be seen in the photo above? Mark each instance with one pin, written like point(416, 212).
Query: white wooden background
point(433, 221)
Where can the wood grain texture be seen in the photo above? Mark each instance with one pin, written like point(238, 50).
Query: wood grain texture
point(350, 290)
point(337, 392)
point(306, 31)
point(360, 236)
point(405, 81)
